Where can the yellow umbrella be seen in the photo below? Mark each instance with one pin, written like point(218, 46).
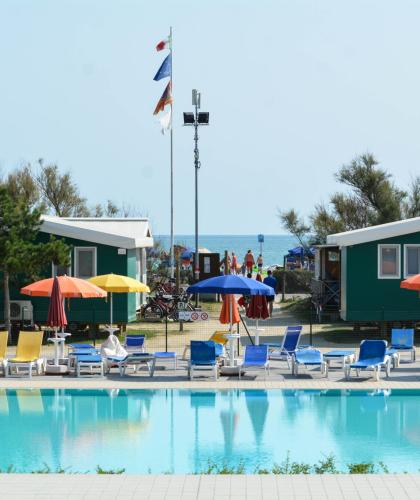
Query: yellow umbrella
point(115, 283)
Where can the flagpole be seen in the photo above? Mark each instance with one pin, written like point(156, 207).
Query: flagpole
point(172, 160)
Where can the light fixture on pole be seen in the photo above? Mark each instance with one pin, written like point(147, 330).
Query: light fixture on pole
point(196, 119)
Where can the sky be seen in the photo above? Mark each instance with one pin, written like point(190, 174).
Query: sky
point(294, 89)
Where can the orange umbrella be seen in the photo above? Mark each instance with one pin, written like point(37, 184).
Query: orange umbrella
point(70, 288)
point(224, 318)
point(412, 283)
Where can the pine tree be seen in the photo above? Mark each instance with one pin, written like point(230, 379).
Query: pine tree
point(20, 252)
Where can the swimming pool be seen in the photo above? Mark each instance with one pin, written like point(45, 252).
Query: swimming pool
point(179, 431)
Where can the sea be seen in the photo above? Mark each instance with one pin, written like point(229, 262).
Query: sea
point(274, 248)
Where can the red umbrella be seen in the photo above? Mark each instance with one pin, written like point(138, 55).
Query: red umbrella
point(257, 309)
point(56, 313)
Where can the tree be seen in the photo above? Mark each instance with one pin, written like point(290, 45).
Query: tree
point(373, 190)
point(20, 253)
point(412, 205)
point(59, 192)
point(22, 185)
point(295, 225)
point(373, 198)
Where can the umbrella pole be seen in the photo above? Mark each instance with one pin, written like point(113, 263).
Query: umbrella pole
point(232, 345)
point(257, 333)
point(110, 307)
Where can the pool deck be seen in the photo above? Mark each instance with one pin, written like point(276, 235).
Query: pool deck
point(210, 487)
point(216, 487)
point(407, 376)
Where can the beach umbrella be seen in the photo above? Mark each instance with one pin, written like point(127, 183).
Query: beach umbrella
point(116, 283)
point(56, 313)
point(231, 284)
point(412, 283)
point(257, 405)
point(257, 310)
point(69, 287)
point(229, 312)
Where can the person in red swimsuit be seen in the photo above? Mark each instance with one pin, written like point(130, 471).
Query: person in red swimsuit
point(249, 261)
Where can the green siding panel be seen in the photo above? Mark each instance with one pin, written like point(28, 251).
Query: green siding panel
point(371, 299)
point(89, 310)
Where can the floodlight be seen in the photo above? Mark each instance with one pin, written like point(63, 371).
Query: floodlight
point(203, 118)
point(189, 118)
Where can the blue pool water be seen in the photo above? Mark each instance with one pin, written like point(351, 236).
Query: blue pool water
point(180, 430)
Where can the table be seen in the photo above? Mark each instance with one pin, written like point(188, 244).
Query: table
point(167, 355)
point(343, 355)
point(232, 368)
point(394, 354)
point(257, 334)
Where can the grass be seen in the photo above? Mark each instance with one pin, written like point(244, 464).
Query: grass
point(325, 465)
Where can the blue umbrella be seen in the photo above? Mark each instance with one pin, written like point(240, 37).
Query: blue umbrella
point(232, 284)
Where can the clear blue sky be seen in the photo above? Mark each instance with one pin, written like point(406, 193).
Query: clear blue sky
point(294, 89)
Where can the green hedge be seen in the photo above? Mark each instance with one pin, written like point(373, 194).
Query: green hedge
point(297, 281)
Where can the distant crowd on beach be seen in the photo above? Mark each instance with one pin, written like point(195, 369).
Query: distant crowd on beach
point(249, 263)
point(248, 266)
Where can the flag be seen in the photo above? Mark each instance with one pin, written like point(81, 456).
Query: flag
point(164, 44)
point(164, 100)
point(165, 69)
point(166, 122)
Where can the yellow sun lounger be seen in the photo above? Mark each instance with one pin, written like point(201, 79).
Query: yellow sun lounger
point(28, 354)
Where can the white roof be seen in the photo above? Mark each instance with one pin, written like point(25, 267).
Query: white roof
point(374, 233)
point(122, 233)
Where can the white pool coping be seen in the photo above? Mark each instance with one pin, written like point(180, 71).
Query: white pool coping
point(210, 487)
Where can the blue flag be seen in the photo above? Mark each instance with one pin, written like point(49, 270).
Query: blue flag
point(165, 69)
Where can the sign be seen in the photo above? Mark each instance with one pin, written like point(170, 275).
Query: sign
point(206, 265)
point(260, 238)
point(192, 316)
point(122, 251)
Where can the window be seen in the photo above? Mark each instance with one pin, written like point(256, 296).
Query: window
point(389, 262)
point(85, 262)
point(411, 260)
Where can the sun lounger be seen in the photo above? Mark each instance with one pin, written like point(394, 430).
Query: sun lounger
point(3, 349)
point(134, 343)
point(402, 340)
point(28, 354)
point(373, 356)
point(309, 357)
point(203, 357)
point(135, 360)
point(255, 358)
point(288, 347)
point(221, 341)
point(88, 363)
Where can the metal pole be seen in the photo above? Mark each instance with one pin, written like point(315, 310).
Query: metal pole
point(172, 160)
point(283, 288)
point(196, 167)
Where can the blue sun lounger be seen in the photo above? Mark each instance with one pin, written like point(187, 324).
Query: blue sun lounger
point(403, 340)
point(256, 358)
point(203, 357)
point(372, 355)
point(288, 347)
point(309, 357)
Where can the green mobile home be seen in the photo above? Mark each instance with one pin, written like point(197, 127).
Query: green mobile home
point(97, 246)
point(358, 273)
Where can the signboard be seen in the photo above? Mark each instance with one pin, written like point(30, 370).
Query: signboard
point(192, 316)
point(260, 238)
point(207, 265)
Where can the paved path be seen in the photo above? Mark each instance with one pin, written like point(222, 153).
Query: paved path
point(214, 487)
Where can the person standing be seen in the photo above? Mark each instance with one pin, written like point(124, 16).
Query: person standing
point(249, 261)
point(234, 263)
point(270, 280)
point(260, 263)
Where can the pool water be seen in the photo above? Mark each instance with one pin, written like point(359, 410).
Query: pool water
point(179, 431)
